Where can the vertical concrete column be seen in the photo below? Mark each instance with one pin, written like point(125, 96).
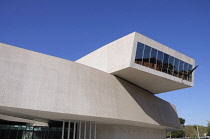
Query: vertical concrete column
point(95, 130)
point(63, 129)
point(69, 129)
point(80, 124)
point(90, 131)
point(74, 135)
point(85, 130)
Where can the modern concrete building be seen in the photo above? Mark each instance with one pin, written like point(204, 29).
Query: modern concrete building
point(107, 94)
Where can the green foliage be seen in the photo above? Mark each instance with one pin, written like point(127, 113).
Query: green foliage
point(182, 121)
point(190, 131)
point(202, 130)
point(208, 130)
point(177, 134)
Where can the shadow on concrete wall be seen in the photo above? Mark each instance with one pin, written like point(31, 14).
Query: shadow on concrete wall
point(159, 110)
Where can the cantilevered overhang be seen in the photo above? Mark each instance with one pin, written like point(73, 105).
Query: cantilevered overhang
point(151, 80)
point(119, 59)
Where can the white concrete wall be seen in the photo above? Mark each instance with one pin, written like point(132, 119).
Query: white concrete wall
point(128, 132)
point(39, 86)
point(111, 57)
point(16, 119)
point(119, 53)
point(118, 58)
point(98, 59)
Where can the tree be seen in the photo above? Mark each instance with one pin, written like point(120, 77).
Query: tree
point(208, 130)
point(190, 131)
point(182, 121)
point(180, 133)
point(202, 130)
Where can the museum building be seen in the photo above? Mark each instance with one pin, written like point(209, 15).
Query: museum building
point(107, 94)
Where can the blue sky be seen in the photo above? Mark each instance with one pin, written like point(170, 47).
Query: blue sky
point(71, 29)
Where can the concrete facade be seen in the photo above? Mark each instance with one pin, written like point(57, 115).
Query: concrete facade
point(128, 132)
point(118, 57)
point(39, 87)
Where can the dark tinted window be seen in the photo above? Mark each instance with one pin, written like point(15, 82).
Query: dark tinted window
point(171, 65)
point(139, 53)
point(165, 63)
point(176, 67)
point(146, 56)
point(185, 69)
point(160, 61)
point(189, 69)
point(153, 59)
point(181, 69)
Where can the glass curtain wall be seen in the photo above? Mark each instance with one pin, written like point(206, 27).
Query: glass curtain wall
point(139, 53)
point(29, 132)
point(146, 56)
point(165, 63)
point(176, 67)
point(171, 65)
point(157, 60)
point(35, 132)
point(153, 59)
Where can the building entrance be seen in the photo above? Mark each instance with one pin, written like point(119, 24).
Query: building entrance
point(55, 130)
